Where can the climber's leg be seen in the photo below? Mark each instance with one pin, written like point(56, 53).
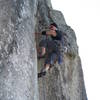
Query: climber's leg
point(44, 70)
point(42, 45)
point(47, 66)
point(43, 51)
point(58, 46)
point(51, 56)
point(50, 60)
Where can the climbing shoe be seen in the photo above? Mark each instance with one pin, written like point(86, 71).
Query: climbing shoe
point(41, 74)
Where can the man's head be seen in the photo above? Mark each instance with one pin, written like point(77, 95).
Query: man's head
point(53, 26)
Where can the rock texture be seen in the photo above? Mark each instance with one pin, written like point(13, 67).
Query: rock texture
point(19, 20)
point(63, 82)
point(18, 61)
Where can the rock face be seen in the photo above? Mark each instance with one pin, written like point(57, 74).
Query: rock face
point(63, 82)
point(18, 61)
point(19, 20)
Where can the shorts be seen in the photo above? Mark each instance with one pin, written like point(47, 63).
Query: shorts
point(52, 50)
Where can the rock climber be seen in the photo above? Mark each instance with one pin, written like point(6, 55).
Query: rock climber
point(51, 47)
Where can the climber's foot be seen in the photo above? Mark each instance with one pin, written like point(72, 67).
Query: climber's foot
point(41, 74)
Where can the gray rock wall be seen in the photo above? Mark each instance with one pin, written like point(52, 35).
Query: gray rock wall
point(18, 61)
point(65, 81)
point(19, 20)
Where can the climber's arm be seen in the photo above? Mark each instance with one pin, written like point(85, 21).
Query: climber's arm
point(43, 33)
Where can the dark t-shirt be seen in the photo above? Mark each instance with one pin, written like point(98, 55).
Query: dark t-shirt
point(57, 37)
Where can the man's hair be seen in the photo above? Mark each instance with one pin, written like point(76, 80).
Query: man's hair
point(54, 24)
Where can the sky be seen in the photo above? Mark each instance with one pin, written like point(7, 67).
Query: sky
point(84, 17)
